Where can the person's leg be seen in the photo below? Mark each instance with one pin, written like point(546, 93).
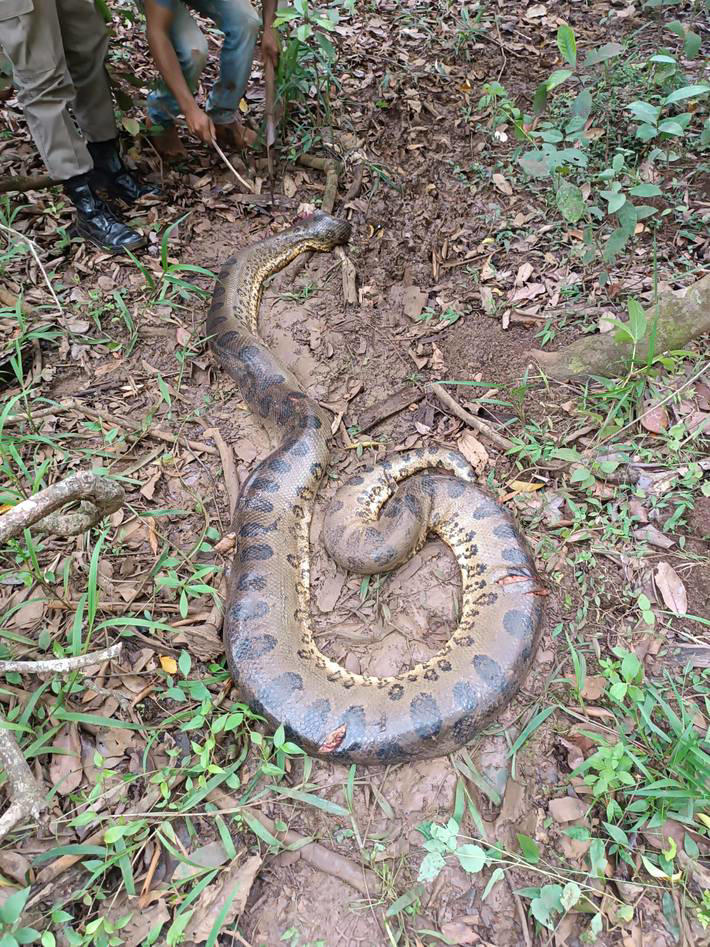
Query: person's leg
point(191, 50)
point(240, 24)
point(85, 41)
point(32, 40)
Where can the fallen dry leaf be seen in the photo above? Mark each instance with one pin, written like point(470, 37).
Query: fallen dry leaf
point(524, 486)
point(459, 932)
point(66, 770)
point(567, 809)
point(474, 452)
point(414, 300)
point(655, 419)
point(501, 184)
point(168, 664)
point(654, 537)
point(671, 587)
point(230, 891)
point(524, 273)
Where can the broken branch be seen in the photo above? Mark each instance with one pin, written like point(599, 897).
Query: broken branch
point(483, 428)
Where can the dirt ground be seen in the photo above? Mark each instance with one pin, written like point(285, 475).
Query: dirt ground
point(420, 229)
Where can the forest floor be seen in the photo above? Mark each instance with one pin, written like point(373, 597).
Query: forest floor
point(581, 815)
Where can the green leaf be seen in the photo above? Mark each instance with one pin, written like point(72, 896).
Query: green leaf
point(687, 92)
point(646, 189)
point(616, 243)
point(617, 834)
point(567, 45)
point(549, 903)
point(325, 805)
point(540, 99)
point(404, 900)
point(691, 45)
point(472, 858)
point(496, 875)
point(557, 78)
point(645, 112)
point(637, 327)
point(11, 910)
point(529, 849)
point(603, 54)
point(184, 663)
point(570, 201)
point(431, 866)
point(131, 125)
point(614, 199)
point(570, 895)
point(666, 60)
point(531, 727)
point(8, 941)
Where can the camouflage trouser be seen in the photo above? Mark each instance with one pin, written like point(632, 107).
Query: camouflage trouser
point(57, 50)
point(240, 25)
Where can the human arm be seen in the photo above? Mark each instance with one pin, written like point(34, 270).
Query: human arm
point(159, 20)
point(270, 46)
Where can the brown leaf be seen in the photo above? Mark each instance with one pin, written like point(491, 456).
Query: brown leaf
point(487, 300)
point(474, 452)
point(414, 300)
point(231, 888)
point(501, 184)
point(567, 809)
point(329, 592)
point(671, 587)
point(655, 419)
point(211, 855)
point(459, 932)
point(654, 537)
point(66, 770)
point(14, 865)
point(525, 271)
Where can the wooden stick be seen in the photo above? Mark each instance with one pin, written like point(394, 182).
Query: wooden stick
point(476, 423)
point(63, 665)
point(237, 175)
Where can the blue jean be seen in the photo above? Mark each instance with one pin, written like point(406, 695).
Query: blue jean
point(240, 25)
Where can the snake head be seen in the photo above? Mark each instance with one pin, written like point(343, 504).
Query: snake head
point(328, 230)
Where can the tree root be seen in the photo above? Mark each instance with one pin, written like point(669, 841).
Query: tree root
point(478, 424)
point(23, 182)
point(676, 319)
point(100, 497)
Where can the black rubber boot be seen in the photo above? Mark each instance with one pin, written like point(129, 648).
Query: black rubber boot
point(95, 221)
point(112, 175)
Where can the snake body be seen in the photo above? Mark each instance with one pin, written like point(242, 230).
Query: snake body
point(376, 521)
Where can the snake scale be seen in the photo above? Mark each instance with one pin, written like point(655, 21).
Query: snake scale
point(377, 520)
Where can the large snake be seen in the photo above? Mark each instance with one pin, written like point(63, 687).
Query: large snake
point(376, 521)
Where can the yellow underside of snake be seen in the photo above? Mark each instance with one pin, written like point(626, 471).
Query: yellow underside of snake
point(376, 521)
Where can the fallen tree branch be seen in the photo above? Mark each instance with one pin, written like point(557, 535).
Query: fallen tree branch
point(63, 665)
point(673, 321)
point(483, 428)
point(100, 498)
point(22, 182)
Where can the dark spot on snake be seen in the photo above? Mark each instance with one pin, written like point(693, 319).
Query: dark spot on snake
point(419, 452)
point(298, 511)
point(354, 721)
point(466, 700)
point(304, 493)
point(305, 654)
point(292, 560)
point(465, 696)
point(514, 554)
point(251, 580)
point(443, 664)
point(275, 694)
point(336, 506)
point(395, 692)
point(486, 509)
point(264, 485)
point(431, 675)
point(311, 422)
point(278, 465)
point(505, 531)
point(467, 641)
point(412, 504)
point(285, 411)
point(298, 448)
point(518, 623)
point(257, 504)
point(455, 488)
point(373, 536)
point(256, 553)
point(386, 464)
point(356, 481)
point(216, 321)
point(428, 485)
point(393, 508)
point(383, 556)
point(248, 610)
point(316, 470)
point(391, 752)
point(315, 719)
point(256, 529)
point(426, 717)
point(265, 406)
point(251, 649)
point(228, 337)
point(489, 670)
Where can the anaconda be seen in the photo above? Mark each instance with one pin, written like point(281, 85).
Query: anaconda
point(377, 520)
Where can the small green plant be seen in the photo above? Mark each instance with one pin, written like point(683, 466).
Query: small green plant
point(13, 934)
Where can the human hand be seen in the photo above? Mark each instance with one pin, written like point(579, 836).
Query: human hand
point(270, 46)
point(201, 125)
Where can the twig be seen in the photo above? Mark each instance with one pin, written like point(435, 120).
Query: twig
point(476, 423)
point(237, 175)
point(35, 254)
point(63, 665)
point(231, 477)
point(22, 182)
point(26, 797)
point(156, 434)
point(101, 497)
